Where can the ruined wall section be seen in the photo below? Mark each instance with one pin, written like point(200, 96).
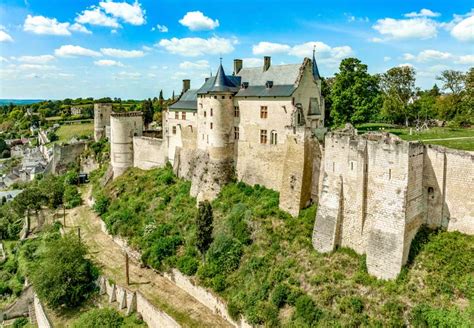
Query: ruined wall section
point(64, 155)
point(123, 126)
point(102, 114)
point(149, 153)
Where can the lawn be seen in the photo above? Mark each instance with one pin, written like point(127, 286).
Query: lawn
point(430, 136)
point(66, 132)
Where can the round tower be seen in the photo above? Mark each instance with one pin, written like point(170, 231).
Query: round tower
point(123, 127)
point(102, 113)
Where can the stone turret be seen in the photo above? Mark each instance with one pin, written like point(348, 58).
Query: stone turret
point(123, 127)
point(102, 113)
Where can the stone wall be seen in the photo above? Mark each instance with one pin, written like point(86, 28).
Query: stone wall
point(41, 319)
point(378, 190)
point(149, 152)
point(63, 155)
point(101, 120)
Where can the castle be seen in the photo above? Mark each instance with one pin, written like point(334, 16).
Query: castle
point(265, 126)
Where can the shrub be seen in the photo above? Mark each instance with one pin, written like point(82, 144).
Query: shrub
point(351, 305)
point(425, 316)
point(101, 203)
point(307, 311)
point(187, 264)
point(99, 318)
point(162, 248)
point(71, 197)
point(234, 310)
point(280, 295)
point(204, 227)
point(20, 322)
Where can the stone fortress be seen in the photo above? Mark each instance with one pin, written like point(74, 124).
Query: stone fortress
point(265, 126)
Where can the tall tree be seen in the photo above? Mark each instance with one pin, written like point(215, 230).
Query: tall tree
point(147, 109)
point(355, 94)
point(398, 84)
point(204, 227)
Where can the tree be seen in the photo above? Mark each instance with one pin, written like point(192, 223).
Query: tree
point(29, 200)
point(62, 275)
point(398, 84)
point(204, 227)
point(355, 94)
point(453, 81)
point(147, 109)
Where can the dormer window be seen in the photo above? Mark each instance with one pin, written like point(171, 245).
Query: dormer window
point(245, 85)
point(269, 84)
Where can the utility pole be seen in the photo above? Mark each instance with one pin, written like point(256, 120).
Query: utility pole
point(127, 276)
point(79, 233)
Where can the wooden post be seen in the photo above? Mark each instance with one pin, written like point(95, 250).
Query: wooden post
point(64, 216)
point(127, 276)
point(79, 233)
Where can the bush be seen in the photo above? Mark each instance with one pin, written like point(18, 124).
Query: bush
point(101, 203)
point(20, 322)
point(425, 316)
point(280, 295)
point(187, 264)
point(307, 311)
point(71, 197)
point(62, 276)
point(234, 310)
point(351, 305)
point(162, 248)
point(100, 318)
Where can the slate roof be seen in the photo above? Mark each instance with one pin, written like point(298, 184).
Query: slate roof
point(188, 101)
point(262, 91)
point(220, 83)
point(279, 74)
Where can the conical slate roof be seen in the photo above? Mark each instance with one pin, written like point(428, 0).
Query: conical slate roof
point(315, 68)
point(220, 83)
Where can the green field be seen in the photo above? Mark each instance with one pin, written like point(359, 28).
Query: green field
point(456, 138)
point(66, 132)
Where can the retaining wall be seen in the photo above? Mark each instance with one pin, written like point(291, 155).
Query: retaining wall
point(41, 318)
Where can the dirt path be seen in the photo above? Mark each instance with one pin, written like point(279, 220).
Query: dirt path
point(442, 139)
point(160, 291)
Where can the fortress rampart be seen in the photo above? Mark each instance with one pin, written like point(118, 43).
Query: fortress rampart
point(102, 113)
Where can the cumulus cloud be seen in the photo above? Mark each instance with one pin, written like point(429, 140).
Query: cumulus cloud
point(3, 60)
point(128, 75)
point(74, 51)
point(197, 21)
point(414, 28)
point(428, 55)
point(252, 62)
point(45, 25)
point(467, 59)
point(269, 48)
point(387, 58)
point(197, 65)
point(192, 47)
point(5, 37)
point(108, 63)
point(95, 16)
point(79, 28)
point(120, 53)
point(464, 29)
point(160, 28)
point(423, 13)
point(129, 13)
point(408, 56)
point(43, 59)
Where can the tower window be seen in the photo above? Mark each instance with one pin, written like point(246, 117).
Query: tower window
point(390, 174)
point(212, 112)
point(223, 97)
point(263, 136)
point(176, 115)
point(263, 111)
point(183, 115)
point(273, 138)
point(174, 129)
point(211, 125)
point(236, 133)
point(205, 114)
point(236, 111)
point(215, 97)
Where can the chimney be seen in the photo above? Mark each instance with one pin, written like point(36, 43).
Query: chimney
point(237, 66)
point(267, 60)
point(186, 85)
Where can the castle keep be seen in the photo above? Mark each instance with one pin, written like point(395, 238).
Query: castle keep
point(260, 125)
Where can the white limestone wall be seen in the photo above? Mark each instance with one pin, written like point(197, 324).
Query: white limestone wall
point(101, 120)
point(149, 153)
point(182, 126)
point(153, 317)
point(41, 319)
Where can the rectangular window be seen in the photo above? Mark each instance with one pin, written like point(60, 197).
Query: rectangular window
point(236, 111)
point(176, 115)
point(273, 138)
point(183, 115)
point(174, 129)
point(263, 111)
point(263, 136)
point(205, 114)
point(236, 133)
point(223, 97)
point(212, 112)
point(211, 125)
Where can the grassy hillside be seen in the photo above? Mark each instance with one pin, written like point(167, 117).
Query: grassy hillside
point(262, 261)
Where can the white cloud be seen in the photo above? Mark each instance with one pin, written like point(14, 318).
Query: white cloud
point(433, 55)
point(43, 59)
point(415, 28)
point(252, 62)
point(408, 56)
point(79, 28)
point(198, 65)
point(95, 16)
point(108, 63)
point(3, 60)
point(74, 51)
point(45, 25)
point(196, 21)
point(192, 47)
point(269, 48)
point(406, 65)
point(467, 59)
point(132, 14)
point(464, 30)
point(160, 28)
point(387, 58)
point(5, 37)
point(423, 13)
point(119, 53)
point(128, 75)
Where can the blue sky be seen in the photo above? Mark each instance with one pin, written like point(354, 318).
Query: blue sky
point(132, 49)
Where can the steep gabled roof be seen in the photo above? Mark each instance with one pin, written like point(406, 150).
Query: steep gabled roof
point(187, 101)
point(279, 74)
point(220, 83)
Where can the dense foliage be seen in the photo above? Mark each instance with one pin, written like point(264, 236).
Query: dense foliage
point(61, 274)
point(204, 227)
point(262, 262)
point(106, 318)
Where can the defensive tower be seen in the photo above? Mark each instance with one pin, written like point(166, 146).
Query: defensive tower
point(102, 113)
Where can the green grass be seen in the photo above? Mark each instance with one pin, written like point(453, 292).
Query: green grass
point(68, 131)
point(263, 264)
point(426, 136)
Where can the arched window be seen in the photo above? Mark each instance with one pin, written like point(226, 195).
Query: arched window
point(273, 137)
